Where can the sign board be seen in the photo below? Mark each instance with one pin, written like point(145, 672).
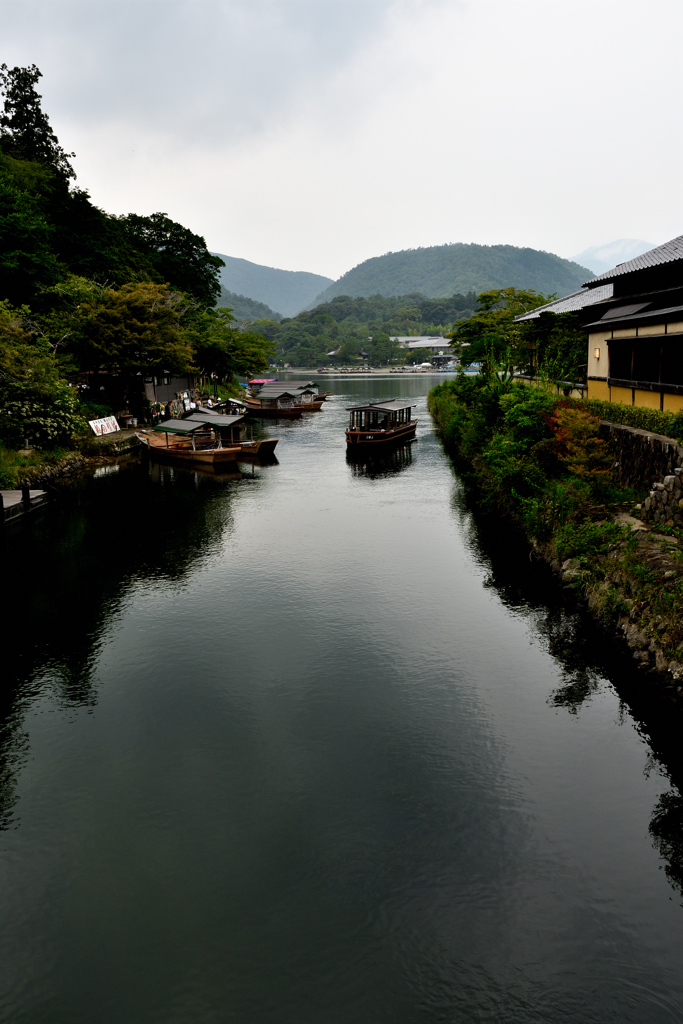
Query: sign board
point(108, 425)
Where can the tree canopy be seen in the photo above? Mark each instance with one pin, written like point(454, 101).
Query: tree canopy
point(25, 131)
point(84, 293)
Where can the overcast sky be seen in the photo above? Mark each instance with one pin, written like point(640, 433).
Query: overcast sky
point(312, 134)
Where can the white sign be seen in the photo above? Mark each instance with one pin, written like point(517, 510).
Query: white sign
point(108, 425)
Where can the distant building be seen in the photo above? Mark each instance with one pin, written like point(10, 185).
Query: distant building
point(633, 316)
point(434, 343)
point(165, 388)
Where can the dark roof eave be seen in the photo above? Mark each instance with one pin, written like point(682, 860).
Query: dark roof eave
point(639, 318)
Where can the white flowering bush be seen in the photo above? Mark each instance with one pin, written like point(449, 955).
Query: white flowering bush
point(42, 413)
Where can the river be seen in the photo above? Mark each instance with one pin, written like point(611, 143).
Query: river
point(320, 744)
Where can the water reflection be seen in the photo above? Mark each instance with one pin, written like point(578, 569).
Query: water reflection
point(589, 659)
point(68, 571)
point(376, 464)
point(666, 829)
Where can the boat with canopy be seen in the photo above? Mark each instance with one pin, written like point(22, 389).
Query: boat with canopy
point(381, 423)
point(187, 442)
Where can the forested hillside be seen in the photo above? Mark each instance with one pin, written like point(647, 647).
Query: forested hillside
point(289, 291)
point(92, 303)
point(246, 309)
point(348, 326)
point(459, 268)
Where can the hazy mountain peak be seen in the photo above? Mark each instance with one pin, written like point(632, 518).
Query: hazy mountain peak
point(600, 258)
point(288, 291)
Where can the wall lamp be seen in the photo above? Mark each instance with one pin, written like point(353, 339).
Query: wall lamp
point(596, 353)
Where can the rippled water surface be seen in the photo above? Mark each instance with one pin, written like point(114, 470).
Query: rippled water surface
point(318, 744)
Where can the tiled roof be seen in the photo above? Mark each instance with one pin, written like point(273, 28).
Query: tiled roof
point(652, 314)
point(667, 253)
point(570, 303)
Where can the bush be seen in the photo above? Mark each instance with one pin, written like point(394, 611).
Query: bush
point(669, 424)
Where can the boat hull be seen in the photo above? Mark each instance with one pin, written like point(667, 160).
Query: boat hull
point(374, 438)
point(265, 447)
point(185, 455)
point(259, 410)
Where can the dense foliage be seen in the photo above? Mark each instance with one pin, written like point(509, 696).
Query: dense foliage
point(246, 309)
point(551, 343)
point(349, 327)
point(91, 303)
point(448, 269)
point(538, 452)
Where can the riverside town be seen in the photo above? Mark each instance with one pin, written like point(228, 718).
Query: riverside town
point(343, 618)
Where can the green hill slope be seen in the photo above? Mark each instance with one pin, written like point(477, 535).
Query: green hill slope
point(245, 308)
point(446, 269)
point(288, 291)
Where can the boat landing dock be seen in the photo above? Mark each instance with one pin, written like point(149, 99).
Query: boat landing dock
point(14, 503)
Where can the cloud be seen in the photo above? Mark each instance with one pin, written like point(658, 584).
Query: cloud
point(312, 134)
point(194, 70)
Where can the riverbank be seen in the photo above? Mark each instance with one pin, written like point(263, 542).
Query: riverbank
point(33, 467)
point(539, 460)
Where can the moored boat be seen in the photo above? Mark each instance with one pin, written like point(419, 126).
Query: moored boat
point(279, 402)
point(229, 429)
point(380, 423)
point(187, 442)
point(304, 392)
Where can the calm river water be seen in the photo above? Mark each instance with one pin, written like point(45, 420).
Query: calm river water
point(319, 745)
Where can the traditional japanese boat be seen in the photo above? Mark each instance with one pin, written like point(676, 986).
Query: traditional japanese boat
point(229, 428)
point(305, 393)
point(276, 403)
point(187, 442)
point(380, 423)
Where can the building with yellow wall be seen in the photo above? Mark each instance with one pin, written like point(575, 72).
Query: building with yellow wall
point(633, 316)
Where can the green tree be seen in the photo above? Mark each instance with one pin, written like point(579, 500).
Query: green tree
point(25, 131)
point(491, 336)
point(26, 257)
point(222, 351)
point(36, 404)
point(556, 345)
point(138, 328)
point(175, 255)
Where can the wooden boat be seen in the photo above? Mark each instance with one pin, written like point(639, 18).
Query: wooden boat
point(304, 392)
point(185, 447)
point(380, 423)
point(276, 403)
point(229, 431)
point(260, 448)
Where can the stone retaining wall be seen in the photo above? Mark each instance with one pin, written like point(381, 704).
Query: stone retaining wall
point(639, 455)
point(644, 459)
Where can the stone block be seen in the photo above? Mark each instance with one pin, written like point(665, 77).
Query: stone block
point(669, 482)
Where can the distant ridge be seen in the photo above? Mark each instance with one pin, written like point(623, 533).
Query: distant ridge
point(605, 257)
point(441, 270)
point(245, 308)
point(288, 291)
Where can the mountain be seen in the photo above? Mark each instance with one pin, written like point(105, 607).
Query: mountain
point(604, 257)
point(245, 308)
point(286, 290)
point(446, 269)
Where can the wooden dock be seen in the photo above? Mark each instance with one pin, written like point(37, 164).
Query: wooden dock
point(15, 503)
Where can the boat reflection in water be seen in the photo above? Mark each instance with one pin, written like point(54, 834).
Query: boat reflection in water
point(378, 462)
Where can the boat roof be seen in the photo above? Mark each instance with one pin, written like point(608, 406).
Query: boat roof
point(393, 405)
point(267, 388)
point(262, 380)
point(278, 393)
point(179, 426)
point(214, 421)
